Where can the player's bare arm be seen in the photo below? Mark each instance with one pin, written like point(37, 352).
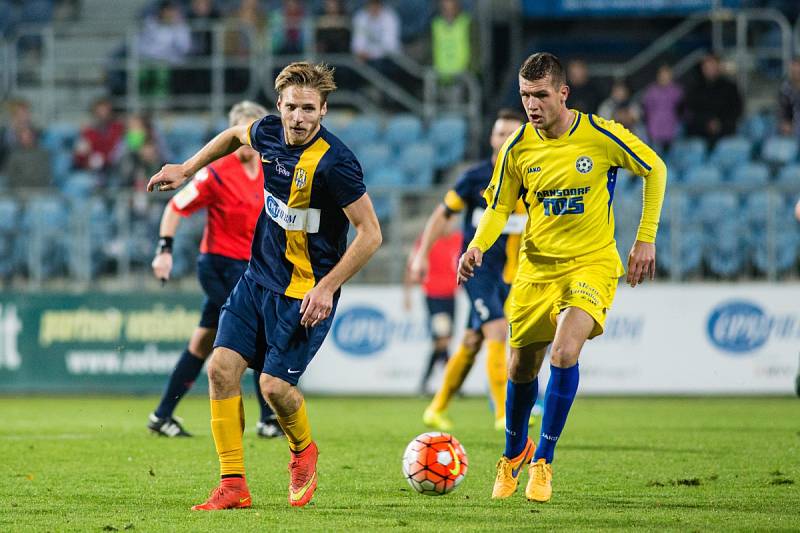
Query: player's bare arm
point(172, 176)
point(641, 262)
point(318, 302)
point(162, 262)
point(434, 229)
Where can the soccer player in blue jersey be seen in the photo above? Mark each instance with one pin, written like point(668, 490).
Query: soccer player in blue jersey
point(563, 164)
point(282, 308)
point(487, 291)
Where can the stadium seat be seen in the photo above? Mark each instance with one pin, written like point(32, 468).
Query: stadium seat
point(373, 157)
point(786, 252)
point(717, 207)
point(8, 17)
point(402, 130)
point(689, 252)
point(757, 127)
point(724, 252)
point(388, 177)
point(756, 207)
point(779, 150)
point(789, 175)
point(61, 164)
point(336, 122)
point(703, 175)
point(750, 174)
point(731, 152)
point(417, 161)
point(363, 129)
point(79, 185)
point(36, 12)
point(60, 135)
point(9, 215)
point(687, 153)
point(448, 136)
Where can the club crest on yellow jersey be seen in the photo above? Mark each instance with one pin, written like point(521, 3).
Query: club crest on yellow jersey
point(584, 164)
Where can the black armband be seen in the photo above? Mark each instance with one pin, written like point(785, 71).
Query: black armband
point(164, 245)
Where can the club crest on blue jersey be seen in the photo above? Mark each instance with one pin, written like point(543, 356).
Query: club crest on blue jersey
point(300, 178)
point(584, 164)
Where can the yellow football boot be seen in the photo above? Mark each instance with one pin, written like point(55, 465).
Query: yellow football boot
point(508, 470)
point(436, 420)
point(540, 484)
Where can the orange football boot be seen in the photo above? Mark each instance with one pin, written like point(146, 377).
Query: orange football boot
point(232, 493)
point(303, 472)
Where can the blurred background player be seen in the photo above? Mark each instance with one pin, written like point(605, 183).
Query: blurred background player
point(487, 291)
point(564, 164)
point(230, 189)
point(439, 286)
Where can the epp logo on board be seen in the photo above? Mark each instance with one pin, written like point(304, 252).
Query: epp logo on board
point(361, 331)
point(738, 327)
point(584, 164)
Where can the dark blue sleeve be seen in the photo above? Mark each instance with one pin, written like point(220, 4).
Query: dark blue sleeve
point(345, 179)
point(261, 130)
point(464, 188)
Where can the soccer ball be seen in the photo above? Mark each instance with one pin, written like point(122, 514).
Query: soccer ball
point(434, 463)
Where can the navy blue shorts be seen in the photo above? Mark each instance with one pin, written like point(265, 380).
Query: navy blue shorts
point(218, 276)
point(441, 312)
point(487, 296)
point(263, 326)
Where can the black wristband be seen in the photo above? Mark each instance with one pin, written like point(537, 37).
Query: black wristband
point(165, 245)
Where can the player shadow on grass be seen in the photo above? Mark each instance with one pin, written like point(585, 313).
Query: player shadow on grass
point(631, 448)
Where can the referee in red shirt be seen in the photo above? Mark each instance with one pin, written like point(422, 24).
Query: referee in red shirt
point(231, 190)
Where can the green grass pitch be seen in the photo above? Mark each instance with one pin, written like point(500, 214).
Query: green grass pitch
point(684, 464)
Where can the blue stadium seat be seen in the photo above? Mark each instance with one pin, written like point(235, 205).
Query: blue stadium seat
point(336, 122)
point(789, 175)
point(60, 136)
point(373, 157)
point(690, 252)
point(417, 162)
point(185, 133)
point(402, 130)
point(786, 252)
point(703, 175)
point(388, 177)
point(756, 208)
point(750, 174)
point(79, 185)
point(757, 127)
point(9, 17)
point(717, 207)
point(9, 215)
point(46, 213)
point(780, 150)
point(725, 251)
point(731, 152)
point(448, 136)
point(687, 153)
point(363, 129)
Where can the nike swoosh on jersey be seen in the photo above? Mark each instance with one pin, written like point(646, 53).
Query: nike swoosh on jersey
point(295, 496)
point(294, 371)
point(265, 160)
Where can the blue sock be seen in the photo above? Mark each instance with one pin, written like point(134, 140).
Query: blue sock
point(520, 398)
point(266, 410)
point(186, 371)
point(558, 399)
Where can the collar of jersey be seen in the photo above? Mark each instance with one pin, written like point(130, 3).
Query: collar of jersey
point(566, 133)
point(302, 146)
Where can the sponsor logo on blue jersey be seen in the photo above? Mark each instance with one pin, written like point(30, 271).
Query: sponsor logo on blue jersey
point(739, 327)
point(277, 212)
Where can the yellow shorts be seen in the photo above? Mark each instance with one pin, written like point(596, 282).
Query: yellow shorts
point(535, 306)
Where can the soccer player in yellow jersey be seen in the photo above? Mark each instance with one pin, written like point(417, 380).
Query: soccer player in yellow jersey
point(563, 163)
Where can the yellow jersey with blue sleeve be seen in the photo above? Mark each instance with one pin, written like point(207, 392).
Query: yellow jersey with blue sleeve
point(567, 184)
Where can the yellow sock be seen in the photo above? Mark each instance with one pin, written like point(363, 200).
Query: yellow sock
point(297, 428)
point(227, 426)
point(455, 372)
point(497, 374)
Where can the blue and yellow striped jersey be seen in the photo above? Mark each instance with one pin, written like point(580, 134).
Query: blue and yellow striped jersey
point(568, 187)
point(302, 231)
point(467, 196)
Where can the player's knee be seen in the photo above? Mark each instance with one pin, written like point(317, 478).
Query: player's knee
point(472, 341)
point(520, 371)
point(564, 354)
point(272, 387)
point(441, 343)
point(219, 375)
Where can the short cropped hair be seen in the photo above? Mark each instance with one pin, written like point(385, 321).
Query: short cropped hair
point(245, 110)
point(303, 74)
point(510, 114)
point(542, 64)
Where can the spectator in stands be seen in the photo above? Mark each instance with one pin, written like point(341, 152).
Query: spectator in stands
point(583, 92)
point(97, 148)
point(28, 164)
point(244, 33)
point(197, 80)
point(713, 103)
point(19, 112)
point(333, 33)
point(661, 103)
point(288, 28)
point(789, 101)
point(142, 155)
point(453, 41)
point(620, 108)
point(164, 42)
point(376, 36)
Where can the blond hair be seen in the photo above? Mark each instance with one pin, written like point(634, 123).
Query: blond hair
point(245, 110)
point(318, 76)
